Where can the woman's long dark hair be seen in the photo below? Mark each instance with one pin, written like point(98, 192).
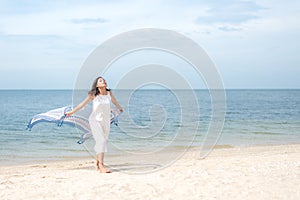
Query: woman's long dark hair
point(94, 90)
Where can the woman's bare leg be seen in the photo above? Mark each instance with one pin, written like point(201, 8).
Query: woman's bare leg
point(100, 164)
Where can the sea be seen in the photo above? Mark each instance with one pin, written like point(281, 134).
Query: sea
point(152, 120)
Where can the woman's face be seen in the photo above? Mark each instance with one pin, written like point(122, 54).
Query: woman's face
point(101, 83)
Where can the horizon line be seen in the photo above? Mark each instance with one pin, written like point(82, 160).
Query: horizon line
point(154, 89)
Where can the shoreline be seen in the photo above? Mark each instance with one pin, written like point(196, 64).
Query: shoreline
point(113, 154)
point(256, 172)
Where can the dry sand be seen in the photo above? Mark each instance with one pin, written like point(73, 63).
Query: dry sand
point(260, 172)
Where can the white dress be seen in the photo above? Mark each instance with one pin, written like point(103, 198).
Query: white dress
point(100, 121)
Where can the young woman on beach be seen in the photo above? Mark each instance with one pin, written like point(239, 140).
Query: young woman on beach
point(99, 119)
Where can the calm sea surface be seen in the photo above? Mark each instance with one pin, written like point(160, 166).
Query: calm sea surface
point(152, 119)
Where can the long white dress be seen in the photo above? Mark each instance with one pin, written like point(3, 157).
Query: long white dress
point(100, 121)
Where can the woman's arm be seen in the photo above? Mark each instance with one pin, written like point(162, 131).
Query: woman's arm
point(81, 105)
point(114, 101)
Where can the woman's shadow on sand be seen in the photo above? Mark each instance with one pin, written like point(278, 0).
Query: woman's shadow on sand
point(125, 168)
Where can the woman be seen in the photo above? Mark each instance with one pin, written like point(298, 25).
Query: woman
point(99, 119)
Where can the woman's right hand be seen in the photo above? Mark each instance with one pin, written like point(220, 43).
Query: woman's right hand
point(69, 113)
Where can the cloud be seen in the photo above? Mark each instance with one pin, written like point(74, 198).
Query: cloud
point(229, 28)
point(89, 20)
point(230, 12)
point(29, 6)
point(41, 51)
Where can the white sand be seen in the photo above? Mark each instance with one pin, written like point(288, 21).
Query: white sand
point(261, 172)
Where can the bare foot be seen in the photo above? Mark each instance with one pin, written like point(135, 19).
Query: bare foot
point(102, 169)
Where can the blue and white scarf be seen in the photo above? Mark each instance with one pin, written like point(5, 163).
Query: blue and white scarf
point(58, 117)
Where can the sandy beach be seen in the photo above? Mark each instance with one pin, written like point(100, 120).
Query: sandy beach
point(259, 172)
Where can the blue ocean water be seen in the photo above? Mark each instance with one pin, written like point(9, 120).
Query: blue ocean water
point(152, 119)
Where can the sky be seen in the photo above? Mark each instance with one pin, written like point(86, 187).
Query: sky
point(254, 44)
